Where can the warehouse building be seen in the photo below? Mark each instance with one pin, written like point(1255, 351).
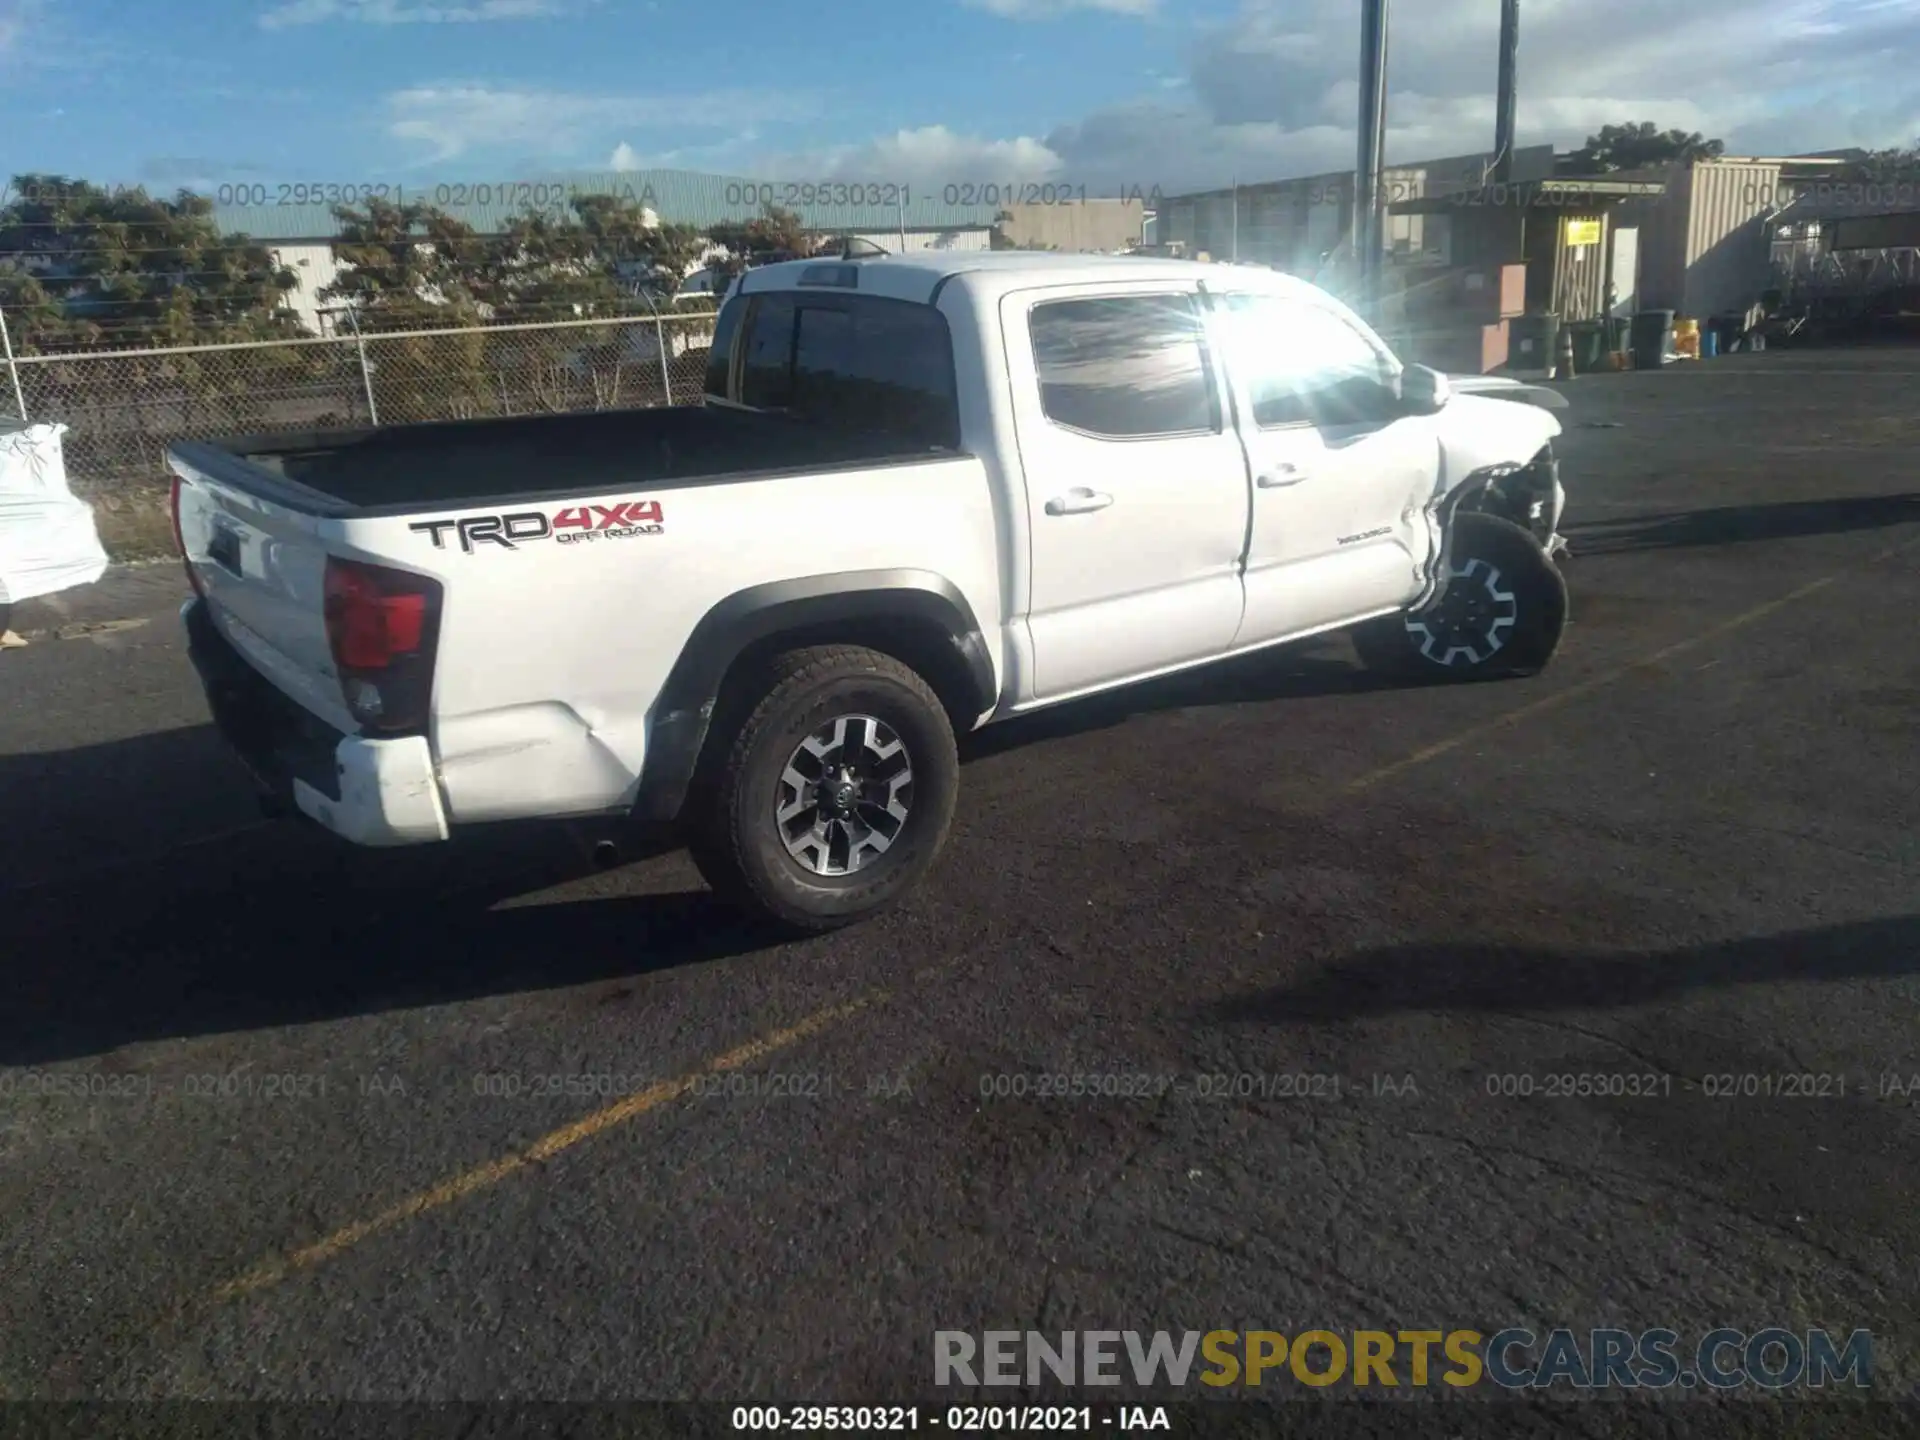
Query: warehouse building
point(1297, 225)
point(1092, 226)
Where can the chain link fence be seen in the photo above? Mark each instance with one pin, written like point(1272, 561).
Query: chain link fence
point(124, 407)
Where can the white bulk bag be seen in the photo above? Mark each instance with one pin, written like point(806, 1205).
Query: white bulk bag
point(47, 537)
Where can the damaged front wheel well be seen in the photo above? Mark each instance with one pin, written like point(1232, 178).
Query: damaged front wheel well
point(1523, 495)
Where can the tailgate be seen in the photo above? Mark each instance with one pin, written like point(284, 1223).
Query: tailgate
point(261, 564)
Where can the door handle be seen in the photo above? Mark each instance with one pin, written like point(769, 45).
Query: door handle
point(1280, 476)
point(1079, 501)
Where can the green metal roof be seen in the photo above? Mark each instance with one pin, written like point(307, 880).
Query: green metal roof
point(281, 211)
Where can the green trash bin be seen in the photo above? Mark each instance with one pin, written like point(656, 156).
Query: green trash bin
point(1590, 346)
point(1652, 338)
point(1533, 343)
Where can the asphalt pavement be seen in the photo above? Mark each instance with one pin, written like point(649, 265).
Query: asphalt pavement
point(284, 1120)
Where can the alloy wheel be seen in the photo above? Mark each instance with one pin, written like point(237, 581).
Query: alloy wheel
point(845, 795)
point(1471, 622)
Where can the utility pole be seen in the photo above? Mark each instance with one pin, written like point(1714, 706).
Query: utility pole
point(366, 370)
point(1507, 105)
point(6, 346)
point(1369, 227)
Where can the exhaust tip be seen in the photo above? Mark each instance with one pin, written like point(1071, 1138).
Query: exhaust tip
point(606, 854)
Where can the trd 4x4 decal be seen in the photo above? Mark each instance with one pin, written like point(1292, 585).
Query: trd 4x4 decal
point(572, 526)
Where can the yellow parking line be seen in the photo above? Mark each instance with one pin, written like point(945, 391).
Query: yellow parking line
point(1600, 682)
point(277, 1268)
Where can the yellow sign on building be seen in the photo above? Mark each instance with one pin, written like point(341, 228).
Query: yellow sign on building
point(1583, 232)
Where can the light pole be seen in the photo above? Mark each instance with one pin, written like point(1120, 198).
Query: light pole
point(1369, 231)
point(1507, 105)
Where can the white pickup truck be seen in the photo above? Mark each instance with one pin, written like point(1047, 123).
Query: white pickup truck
point(923, 494)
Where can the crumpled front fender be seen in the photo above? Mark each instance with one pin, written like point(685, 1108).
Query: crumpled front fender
point(1527, 493)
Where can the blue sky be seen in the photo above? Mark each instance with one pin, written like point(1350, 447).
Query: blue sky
point(335, 90)
point(1111, 93)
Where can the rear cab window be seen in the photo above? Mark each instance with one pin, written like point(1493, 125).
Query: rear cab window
point(853, 362)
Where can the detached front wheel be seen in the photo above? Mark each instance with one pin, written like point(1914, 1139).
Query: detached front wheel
point(1500, 616)
point(833, 793)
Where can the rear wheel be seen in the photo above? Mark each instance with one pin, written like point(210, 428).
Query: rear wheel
point(1501, 616)
point(831, 794)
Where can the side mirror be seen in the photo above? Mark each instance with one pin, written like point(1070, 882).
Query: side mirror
point(1424, 391)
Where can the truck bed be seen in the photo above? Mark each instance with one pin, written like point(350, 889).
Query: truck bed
point(446, 463)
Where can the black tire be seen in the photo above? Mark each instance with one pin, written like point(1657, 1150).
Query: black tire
point(731, 823)
point(1501, 618)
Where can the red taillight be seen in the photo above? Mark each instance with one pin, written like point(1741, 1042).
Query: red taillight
point(381, 627)
point(368, 625)
point(180, 543)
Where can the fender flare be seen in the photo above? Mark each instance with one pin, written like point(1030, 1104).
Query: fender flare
point(682, 713)
point(1464, 497)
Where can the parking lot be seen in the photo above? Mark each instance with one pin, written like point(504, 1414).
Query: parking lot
point(479, 1121)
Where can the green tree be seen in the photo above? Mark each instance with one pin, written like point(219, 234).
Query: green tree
point(608, 259)
point(35, 317)
point(408, 269)
point(405, 266)
point(83, 267)
point(1898, 165)
point(773, 235)
point(1634, 147)
point(647, 258)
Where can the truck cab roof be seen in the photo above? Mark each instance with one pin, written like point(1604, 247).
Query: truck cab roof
point(919, 275)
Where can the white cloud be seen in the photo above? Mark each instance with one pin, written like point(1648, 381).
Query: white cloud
point(731, 154)
point(446, 121)
point(15, 18)
point(928, 157)
point(1271, 92)
point(406, 12)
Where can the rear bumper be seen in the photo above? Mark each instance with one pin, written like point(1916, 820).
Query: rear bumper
point(370, 792)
